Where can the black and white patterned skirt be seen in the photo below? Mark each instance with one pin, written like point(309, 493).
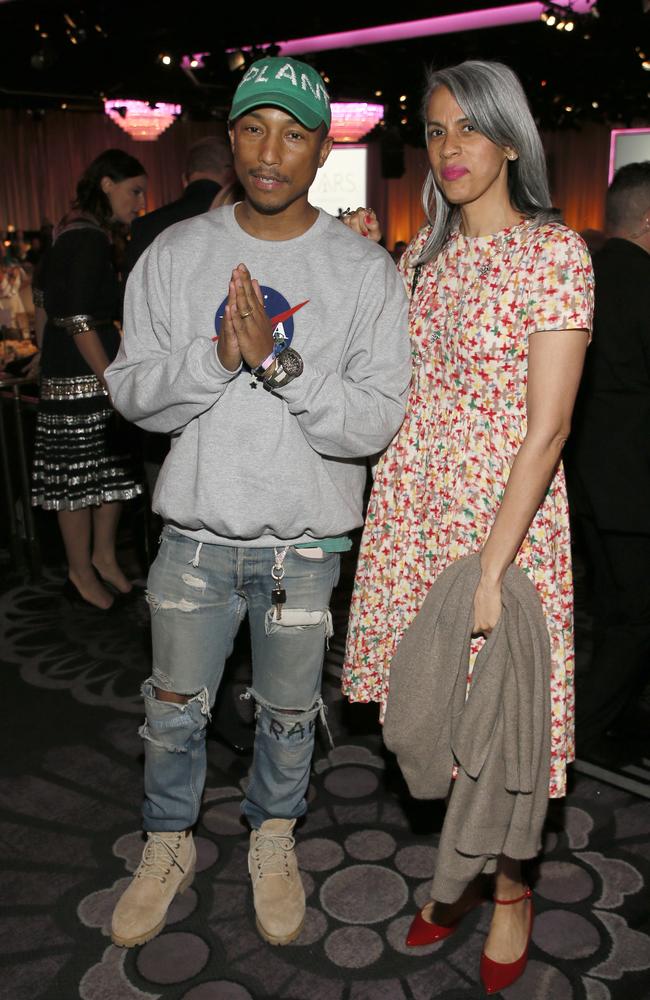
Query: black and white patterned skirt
point(82, 448)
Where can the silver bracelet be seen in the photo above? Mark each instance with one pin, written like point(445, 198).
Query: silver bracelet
point(75, 325)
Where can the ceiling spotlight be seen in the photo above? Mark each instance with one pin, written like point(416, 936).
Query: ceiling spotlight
point(645, 64)
point(595, 104)
point(194, 60)
point(562, 16)
point(165, 58)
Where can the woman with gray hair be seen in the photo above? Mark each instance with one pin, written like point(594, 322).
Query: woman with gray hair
point(501, 307)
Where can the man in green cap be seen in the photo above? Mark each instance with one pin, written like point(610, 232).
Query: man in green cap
point(270, 426)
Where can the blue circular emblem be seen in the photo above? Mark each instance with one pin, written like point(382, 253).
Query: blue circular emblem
point(277, 308)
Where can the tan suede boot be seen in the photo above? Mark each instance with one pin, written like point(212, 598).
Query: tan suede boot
point(278, 893)
point(167, 867)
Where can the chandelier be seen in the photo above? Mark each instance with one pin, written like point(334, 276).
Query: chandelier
point(144, 121)
point(352, 120)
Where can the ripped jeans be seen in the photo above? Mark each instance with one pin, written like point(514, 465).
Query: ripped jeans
point(198, 596)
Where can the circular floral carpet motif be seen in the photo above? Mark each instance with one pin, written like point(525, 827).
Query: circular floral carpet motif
point(70, 824)
point(365, 875)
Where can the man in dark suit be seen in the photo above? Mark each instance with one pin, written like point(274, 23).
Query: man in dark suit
point(609, 463)
point(208, 169)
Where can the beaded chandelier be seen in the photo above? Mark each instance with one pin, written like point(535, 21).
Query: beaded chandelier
point(352, 120)
point(144, 121)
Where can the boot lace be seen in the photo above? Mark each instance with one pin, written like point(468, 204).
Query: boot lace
point(271, 854)
point(159, 857)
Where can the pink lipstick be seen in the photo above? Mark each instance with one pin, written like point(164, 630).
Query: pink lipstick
point(453, 173)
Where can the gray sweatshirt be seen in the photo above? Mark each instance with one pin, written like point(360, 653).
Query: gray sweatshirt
point(249, 467)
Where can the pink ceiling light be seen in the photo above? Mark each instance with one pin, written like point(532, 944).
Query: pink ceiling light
point(444, 24)
point(141, 121)
point(352, 120)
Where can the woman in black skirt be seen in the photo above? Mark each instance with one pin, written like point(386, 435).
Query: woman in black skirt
point(81, 468)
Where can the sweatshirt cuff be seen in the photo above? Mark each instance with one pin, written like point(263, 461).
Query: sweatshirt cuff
point(214, 369)
point(301, 388)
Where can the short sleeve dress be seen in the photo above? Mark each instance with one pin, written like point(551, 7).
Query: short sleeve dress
point(439, 485)
point(82, 456)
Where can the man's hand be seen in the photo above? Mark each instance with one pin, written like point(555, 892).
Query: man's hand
point(252, 327)
point(228, 347)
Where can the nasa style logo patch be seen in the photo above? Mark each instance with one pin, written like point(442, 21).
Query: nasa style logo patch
point(277, 309)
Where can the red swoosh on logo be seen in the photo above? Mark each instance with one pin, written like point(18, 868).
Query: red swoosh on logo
point(280, 318)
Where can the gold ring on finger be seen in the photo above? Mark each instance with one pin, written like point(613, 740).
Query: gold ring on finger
point(244, 315)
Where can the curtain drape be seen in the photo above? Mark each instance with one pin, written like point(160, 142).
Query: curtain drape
point(578, 163)
point(42, 160)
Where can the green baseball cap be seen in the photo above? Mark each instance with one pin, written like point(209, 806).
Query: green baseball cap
point(284, 83)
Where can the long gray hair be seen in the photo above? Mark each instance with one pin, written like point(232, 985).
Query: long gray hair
point(492, 98)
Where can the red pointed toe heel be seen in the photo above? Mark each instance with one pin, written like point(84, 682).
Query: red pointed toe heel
point(424, 931)
point(497, 976)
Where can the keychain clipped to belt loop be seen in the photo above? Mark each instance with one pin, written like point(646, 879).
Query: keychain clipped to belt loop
point(278, 594)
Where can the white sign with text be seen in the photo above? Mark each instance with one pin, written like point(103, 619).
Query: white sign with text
point(342, 182)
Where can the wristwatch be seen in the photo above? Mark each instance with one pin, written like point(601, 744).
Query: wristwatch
point(288, 365)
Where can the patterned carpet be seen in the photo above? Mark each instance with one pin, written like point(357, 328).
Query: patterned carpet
point(70, 798)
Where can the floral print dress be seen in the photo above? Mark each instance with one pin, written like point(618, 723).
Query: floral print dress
point(439, 484)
